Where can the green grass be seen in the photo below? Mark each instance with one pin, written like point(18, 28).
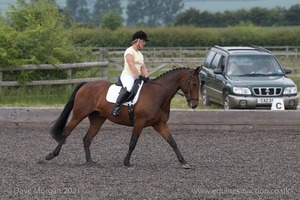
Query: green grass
point(181, 103)
point(57, 96)
point(32, 101)
point(35, 96)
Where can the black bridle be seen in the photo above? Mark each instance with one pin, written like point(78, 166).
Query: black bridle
point(189, 89)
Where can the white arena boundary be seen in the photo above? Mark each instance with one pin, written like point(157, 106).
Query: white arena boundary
point(193, 119)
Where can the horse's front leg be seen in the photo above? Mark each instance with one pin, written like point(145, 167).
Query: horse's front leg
point(136, 132)
point(173, 144)
point(164, 131)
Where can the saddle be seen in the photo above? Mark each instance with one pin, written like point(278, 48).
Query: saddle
point(113, 93)
point(136, 85)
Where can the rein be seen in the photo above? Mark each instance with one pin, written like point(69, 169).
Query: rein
point(176, 92)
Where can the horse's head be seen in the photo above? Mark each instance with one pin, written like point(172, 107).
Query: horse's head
point(190, 88)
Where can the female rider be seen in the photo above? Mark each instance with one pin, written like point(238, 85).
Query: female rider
point(134, 67)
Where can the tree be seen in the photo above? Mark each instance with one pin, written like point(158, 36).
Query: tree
point(36, 35)
point(8, 50)
point(258, 16)
point(152, 12)
point(292, 16)
point(78, 9)
point(111, 20)
point(102, 6)
point(172, 7)
point(188, 17)
point(237, 17)
point(135, 12)
point(50, 1)
point(194, 17)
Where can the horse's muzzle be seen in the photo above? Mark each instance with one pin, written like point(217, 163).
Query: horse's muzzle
point(192, 104)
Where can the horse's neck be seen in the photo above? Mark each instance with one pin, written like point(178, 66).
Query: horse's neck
point(169, 84)
point(163, 89)
point(173, 79)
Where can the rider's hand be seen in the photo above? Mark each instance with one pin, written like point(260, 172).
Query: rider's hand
point(144, 78)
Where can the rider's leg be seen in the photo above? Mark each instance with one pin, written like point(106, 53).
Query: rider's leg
point(123, 95)
point(127, 81)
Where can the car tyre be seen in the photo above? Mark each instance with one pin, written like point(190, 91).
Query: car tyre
point(226, 101)
point(205, 101)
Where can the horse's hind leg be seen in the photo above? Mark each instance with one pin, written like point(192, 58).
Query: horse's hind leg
point(69, 128)
point(56, 151)
point(95, 124)
point(137, 129)
point(164, 131)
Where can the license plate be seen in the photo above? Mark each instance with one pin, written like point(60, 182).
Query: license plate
point(264, 100)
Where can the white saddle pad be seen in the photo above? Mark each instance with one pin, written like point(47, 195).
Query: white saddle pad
point(113, 93)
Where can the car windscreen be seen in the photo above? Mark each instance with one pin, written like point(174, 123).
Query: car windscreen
point(253, 65)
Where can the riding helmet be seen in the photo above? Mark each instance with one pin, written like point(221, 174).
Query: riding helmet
point(139, 35)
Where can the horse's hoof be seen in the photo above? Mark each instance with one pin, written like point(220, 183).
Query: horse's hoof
point(186, 166)
point(50, 156)
point(91, 163)
point(127, 164)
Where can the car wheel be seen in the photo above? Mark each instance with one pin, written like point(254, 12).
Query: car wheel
point(226, 104)
point(205, 101)
point(292, 108)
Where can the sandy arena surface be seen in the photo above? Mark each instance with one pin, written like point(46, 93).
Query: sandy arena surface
point(239, 164)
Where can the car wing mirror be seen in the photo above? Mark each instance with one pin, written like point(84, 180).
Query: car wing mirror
point(218, 71)
point(287, 70)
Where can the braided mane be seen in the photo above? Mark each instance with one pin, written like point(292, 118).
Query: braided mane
point(170, 71)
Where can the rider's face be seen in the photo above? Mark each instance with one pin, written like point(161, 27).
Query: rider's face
point(141, 43)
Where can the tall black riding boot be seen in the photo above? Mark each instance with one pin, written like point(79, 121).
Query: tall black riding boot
point(123, 95)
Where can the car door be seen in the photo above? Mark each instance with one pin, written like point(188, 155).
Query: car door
point(215, 82)
point(206, 72)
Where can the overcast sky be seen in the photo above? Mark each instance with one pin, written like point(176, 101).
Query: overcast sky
point(202, 5)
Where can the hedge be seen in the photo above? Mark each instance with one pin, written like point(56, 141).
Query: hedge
point(190, 36)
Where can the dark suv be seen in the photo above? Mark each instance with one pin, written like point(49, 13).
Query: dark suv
point(245, 77)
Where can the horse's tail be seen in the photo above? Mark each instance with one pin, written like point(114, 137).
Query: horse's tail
point(60, 124)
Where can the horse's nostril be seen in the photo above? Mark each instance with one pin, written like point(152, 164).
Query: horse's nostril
point(193, 105)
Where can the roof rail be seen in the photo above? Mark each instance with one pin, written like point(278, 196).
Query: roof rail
point(260, 48)
point(219, 47)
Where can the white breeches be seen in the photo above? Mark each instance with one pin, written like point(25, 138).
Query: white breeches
point(127, 80)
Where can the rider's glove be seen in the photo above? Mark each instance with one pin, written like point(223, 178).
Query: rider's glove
point(144, 78)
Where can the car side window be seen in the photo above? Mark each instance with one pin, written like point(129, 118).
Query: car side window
point(222, 63)
point(209, 58)
point(216, 61)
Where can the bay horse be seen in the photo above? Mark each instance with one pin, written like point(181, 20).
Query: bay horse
point(151, 109)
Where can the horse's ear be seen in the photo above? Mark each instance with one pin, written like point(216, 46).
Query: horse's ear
point(197, 70)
